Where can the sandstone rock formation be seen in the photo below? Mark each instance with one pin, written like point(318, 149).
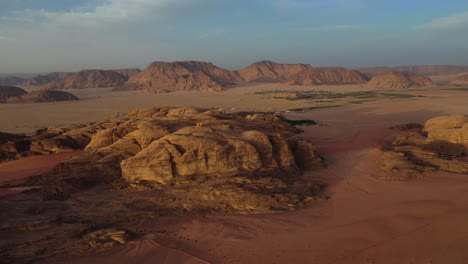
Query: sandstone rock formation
point(324, 76)
point(249, 162)
point(268, 71)
point(11, 80)
point(447, 128)
point(10, 91)
point(398, 80)
point(181, 75)
point(461, 80)
point(42, 97)
point(87, 79)
point(440, 145)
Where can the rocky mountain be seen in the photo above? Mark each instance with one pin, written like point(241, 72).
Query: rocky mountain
point(10, 91)
point(87, 79)
point(426, 70)
point(11, 80)
point(330, 75)
point(182, 75)
point(42, 96)
point(46, 78)
point(461, 80)
point(399, 80)
point(268, 71)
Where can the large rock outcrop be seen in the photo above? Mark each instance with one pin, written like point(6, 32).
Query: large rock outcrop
point(461, 80)
point(440, 145)
point(249, 162)
point(268, 71)
point(324, 76)
point(87, 79)
point(398, 80)
point(181, 75)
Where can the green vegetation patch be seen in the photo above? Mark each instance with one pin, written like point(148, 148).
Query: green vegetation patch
point(464, 89)
point(321, 95)
point(312, 108)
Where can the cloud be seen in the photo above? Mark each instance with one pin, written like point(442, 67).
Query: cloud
point(117, 32)
point(454, 22)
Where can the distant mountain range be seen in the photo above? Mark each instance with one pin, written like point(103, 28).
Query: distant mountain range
point(204, 76)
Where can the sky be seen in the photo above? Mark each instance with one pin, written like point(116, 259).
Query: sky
point(68, 35)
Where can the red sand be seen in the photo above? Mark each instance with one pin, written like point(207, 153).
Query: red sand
point(30, 166)
point(366, 220)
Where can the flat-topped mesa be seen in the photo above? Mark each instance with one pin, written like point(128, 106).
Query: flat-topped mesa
point(182, 75)
point(268, 71)
point(461, 80)
point(87, 79)
point(327, 76)
point(399, 80)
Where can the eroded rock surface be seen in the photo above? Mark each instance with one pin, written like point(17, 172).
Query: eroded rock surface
point(150, 164)
point(163, 147)
point(440, 145)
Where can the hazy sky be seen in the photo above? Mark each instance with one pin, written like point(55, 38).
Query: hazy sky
point(68, 35)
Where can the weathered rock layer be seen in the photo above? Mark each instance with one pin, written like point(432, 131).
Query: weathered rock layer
point(257, 156)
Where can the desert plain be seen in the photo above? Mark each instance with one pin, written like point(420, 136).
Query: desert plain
point(359, 217)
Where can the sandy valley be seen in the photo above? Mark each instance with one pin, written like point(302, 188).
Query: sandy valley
point(363, 219)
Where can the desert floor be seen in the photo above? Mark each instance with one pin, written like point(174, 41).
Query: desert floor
point(366, 220)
